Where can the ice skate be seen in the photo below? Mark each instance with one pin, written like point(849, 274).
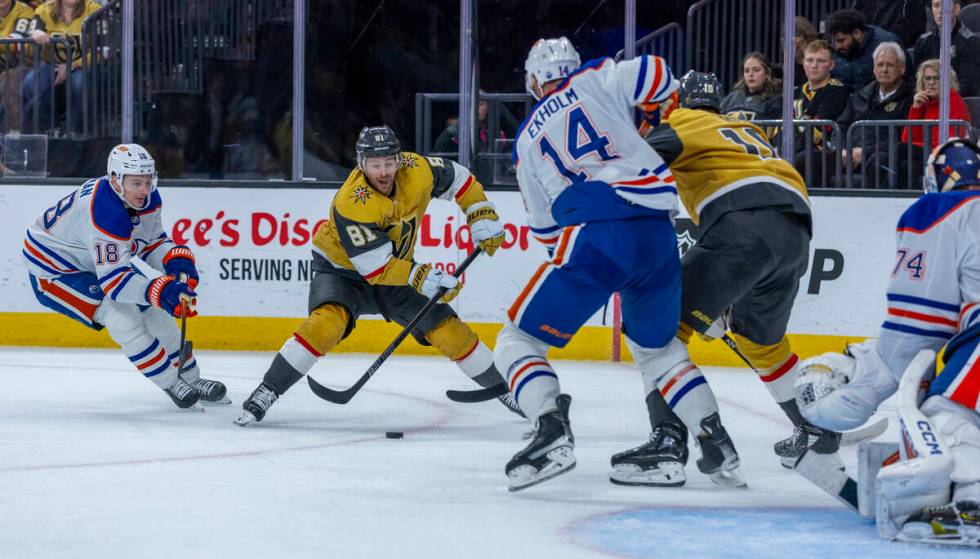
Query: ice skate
point(550, 452)
point(212, 391)
point(956, 523)
point(719, 460)
point(183, 394)
point(805, 436)
point(658, 462)
point(257, 404)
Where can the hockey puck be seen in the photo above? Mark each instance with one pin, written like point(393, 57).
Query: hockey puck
point(395, 435)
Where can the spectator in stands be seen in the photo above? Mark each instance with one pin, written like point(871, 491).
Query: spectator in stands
point(822, 97)
point(888, 97)
point(53, 21)
point(448, 141)
point(925, 105)
point(905, 18)
point(965, 52)
point(855, 42)
point(805, 34)
point(757, 95)
point(15, 22)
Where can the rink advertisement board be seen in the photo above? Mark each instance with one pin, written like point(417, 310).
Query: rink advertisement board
point(253, 252)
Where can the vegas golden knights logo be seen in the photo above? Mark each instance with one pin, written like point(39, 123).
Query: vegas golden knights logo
point(406, 237)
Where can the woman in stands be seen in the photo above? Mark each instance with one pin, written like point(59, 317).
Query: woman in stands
point(925, 105)
point(757, 95)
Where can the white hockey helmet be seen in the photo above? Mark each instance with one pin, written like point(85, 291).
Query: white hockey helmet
point(550, 59)
point(131, 159)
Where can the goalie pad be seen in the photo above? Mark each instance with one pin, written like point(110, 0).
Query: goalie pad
point(872, 457)
point(922, 479)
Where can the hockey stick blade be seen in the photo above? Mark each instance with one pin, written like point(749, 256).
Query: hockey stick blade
point(344, 396)
point(481, 395)
point(826, 471)
point(858, 436)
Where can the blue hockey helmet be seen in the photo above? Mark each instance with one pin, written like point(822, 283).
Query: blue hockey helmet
point(955, 164)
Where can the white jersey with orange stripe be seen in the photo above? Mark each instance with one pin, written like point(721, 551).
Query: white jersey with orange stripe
point(586, 130)
point(91, 230)
point(934, 291)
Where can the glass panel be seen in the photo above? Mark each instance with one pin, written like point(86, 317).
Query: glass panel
point(365, 62)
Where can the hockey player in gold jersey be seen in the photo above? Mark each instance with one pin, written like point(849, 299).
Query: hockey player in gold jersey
point(754, 230)
point(363, 262)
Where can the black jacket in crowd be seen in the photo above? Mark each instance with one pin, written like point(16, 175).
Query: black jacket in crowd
point(965, 56)
point(864, 104)
point(858, 71)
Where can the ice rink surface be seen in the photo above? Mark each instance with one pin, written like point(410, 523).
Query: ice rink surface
point(97, 462)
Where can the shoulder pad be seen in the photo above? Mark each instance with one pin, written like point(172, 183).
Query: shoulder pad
point(357, 201)
point(109, 215)
point(933, 208)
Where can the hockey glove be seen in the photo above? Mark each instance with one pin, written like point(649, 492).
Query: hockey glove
point(166, 293)
point(180, 260)
point(485, 226)
point(428, 281)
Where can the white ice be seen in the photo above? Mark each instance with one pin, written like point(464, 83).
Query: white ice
point(97, 462)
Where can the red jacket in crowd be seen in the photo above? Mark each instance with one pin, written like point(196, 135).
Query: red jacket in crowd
point(930, 111)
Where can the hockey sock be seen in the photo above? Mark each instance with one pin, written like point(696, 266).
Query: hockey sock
point(457, 341)
point(317, 335)
point(162, 325)
point(776, 364)
point(680, 382)
point(532, 381)
point(660, 412)
point(127, 327)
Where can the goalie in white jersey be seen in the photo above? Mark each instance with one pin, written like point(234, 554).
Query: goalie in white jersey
point(933, 301)
point(79, 255)
point(602, 201)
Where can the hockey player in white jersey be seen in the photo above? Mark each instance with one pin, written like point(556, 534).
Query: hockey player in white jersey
point(933, 301)
point(602, 201)
point(80, 259)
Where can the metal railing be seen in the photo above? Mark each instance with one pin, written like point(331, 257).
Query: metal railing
point(230, 28)
point(720, 32)
point(888, 161)
point(423, 115)
point(27, 85)
point(817, 144)
point(666, 42)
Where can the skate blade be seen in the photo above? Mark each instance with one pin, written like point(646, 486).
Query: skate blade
point(246, 418)
point(562, 460)
point(923, 533)
point(788, 462)
point(222, 402)
point(667, 474)
point(729, 478)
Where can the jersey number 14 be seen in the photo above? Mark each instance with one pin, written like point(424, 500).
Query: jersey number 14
point(583, 139)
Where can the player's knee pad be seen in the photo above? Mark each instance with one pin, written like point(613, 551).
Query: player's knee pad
point(163, 326)
point(960, 429)
point(453, 338)
point(513, 344)
point(124, 322)
point(324, 328)
point(656, 362)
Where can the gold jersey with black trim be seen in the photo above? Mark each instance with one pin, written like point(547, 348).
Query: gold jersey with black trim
point(370, 236)
point(722, 164)
point(48, 20)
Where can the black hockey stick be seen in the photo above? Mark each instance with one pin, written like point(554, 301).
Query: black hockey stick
point(480, 395)
point(185, 346)
point(344, 396)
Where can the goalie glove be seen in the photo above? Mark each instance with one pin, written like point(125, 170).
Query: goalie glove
point(166, 293)
point(485, 226)
point(428, 281)
point(180, 260)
